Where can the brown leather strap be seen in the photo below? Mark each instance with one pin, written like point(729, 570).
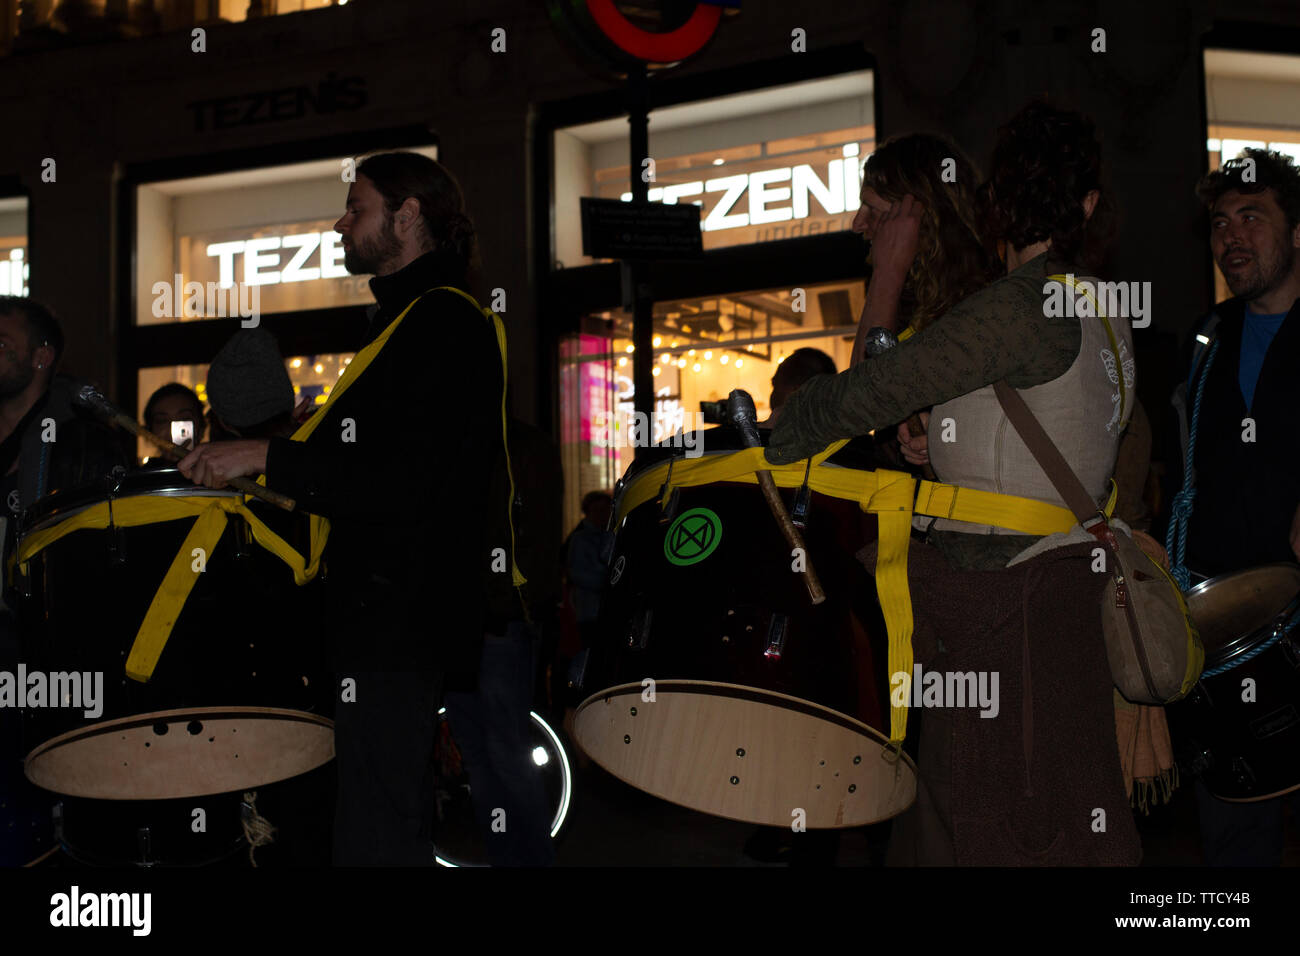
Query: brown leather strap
point(1048, 456)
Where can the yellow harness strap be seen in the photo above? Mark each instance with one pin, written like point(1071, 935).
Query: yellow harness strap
point(890, 495)
point(211, 513)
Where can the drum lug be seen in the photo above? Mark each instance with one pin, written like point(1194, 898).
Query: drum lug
point(799, 513)
point(1290, 650)
point(776, 637)
point(144, 843)
point(578, 669)
point(1202, 762)
point(670, 509)
point(640, 633)
point(1244, 776)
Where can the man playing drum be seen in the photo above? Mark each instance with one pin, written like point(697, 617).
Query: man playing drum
point(1247, 451)
point(1040, 782)
point(406, 495)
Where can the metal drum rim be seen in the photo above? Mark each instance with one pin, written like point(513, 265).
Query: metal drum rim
point(1239, 645)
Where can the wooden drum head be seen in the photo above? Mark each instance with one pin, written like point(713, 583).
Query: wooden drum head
point(745, 754)
point(182, 753)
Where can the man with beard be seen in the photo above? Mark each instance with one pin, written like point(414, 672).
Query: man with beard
point(45, 445)
point(405, 495)
point(1247, 506)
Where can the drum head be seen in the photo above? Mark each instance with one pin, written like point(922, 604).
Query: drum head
point(1233, 611)
point(182, 753)
point(745, 754)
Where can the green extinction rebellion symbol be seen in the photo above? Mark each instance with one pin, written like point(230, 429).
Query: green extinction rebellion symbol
point(692, 537)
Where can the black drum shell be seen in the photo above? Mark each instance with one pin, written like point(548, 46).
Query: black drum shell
point(248, 636)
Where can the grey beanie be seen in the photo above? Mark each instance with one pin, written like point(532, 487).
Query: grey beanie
point(247, 381)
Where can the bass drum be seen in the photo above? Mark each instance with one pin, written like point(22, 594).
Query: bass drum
point(240, 697)
point(1240, 726)
point(724, 689)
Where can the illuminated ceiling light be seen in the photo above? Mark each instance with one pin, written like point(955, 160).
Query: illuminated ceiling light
point(319, 368)
point(719, 161)
point(749, 348)
point(630, 349)
point(656, 370)
point(681, 363)
point(708, 355)
point(665, 358)
point(347, 361)
point(723, 358)
point(695, 367)
point(739, 363)
point(296, 363)
point(341, 372)
point(691, 353)
point(674, 345)
point(658, 341)
point(780, 359)
point(622, 361)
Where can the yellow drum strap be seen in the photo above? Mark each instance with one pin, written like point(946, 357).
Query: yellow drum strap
point(211, 512)
point(890, 495)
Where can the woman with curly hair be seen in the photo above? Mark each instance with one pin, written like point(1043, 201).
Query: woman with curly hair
point(920, 213)
point(1033, 777)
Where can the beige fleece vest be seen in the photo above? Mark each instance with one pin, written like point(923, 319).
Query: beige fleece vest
point(1083, 412)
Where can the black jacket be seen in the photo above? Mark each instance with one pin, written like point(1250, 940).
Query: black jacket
point(1246, 492)
point(407, 496)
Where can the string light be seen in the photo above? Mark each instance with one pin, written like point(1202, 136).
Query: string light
point(622, 361)
point(630, 349)
point(723, 358)
point(658, 341)
point(691, 353)
point(739, 363)
point(656, 370)
point(681, 363)
point(296, 363)
point(319, 368)
point(695, 367)
point(708, 355)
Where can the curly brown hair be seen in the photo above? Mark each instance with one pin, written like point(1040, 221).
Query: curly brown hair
point(1270, 170)
point(1045, 162)
point(953, 260)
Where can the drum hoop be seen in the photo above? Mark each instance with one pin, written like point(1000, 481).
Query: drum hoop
point(757, 695)
point(1233, 653)
point(56, 515)
point(132, 721)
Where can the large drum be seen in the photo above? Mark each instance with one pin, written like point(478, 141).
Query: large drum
point(240, 696)
point(1240, 726)
point(722, 688)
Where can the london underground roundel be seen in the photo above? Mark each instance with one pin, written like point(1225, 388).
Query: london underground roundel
point(614, 39)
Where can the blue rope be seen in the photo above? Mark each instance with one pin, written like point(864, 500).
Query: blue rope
point(1176, 536)
point(1253, 652)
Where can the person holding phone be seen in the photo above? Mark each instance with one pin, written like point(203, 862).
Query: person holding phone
point(175, 413)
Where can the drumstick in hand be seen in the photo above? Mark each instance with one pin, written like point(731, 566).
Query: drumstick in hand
point(90, 397)
point(741, 411)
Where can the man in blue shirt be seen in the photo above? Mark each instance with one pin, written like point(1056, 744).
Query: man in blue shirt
point(1247, 455)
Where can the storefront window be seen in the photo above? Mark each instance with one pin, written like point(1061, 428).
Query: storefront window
point(235, 243)
point(774, 164)
point(704, 348)
point(313, 377)
point(14, 267)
